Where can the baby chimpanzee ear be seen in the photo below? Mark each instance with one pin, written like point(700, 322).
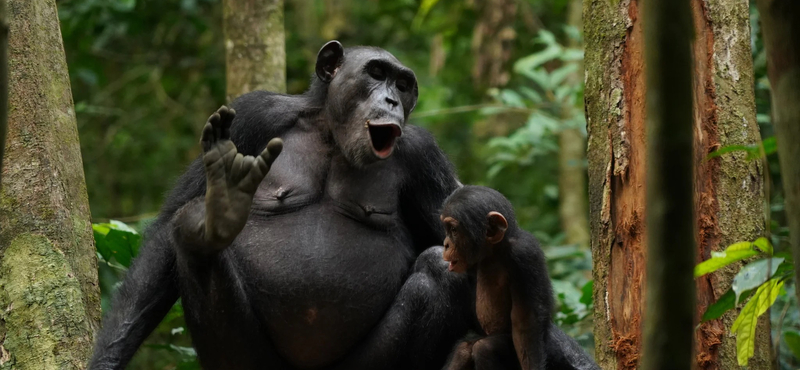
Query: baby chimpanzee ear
point(329, 59)
point(497, 227)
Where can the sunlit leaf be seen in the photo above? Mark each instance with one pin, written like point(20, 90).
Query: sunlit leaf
point(764, 245)
point(745, 324)
point(717, 262)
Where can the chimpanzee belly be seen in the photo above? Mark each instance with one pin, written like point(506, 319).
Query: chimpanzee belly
point(319, 279)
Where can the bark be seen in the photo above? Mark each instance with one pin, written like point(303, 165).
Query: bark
point(729, 191)
point(3, 83)
point(48, 268)
point(255, 51)
point(780, 22)
point(572, 155)
point(669, 210)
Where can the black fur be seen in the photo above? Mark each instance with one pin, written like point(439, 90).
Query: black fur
point(333, 268)
point(529, 283)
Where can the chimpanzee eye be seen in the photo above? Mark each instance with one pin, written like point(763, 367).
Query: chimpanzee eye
point(377, 72)
point(402, 85)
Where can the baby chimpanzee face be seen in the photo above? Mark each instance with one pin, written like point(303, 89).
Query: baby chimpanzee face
point(456, 246)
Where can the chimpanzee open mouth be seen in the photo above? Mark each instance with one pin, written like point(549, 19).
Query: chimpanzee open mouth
point(383, 136)
point(452, 265)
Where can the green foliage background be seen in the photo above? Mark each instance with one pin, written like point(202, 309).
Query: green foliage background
point(146, 74)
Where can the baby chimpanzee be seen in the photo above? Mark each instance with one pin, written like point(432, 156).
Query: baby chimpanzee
point(514, 300)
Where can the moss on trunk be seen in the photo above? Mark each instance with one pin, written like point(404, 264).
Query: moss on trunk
point(48, 271)
point(255, 52)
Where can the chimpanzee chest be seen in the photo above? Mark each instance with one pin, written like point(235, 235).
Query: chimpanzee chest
point(324, 250)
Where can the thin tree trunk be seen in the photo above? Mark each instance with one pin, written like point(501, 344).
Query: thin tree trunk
point(255, 51)
point(670, 237)
point(3, 83)
point(572, 155)
point(48, 269)
point(728, 192)
point(780, 22)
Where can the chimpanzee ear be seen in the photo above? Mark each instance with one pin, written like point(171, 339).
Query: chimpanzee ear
point(497, 227)
point(329, 59)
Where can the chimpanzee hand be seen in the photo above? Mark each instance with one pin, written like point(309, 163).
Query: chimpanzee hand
point(231, 178)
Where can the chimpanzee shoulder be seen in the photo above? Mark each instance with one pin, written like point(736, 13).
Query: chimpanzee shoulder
point(260, 116)
point(429, 178)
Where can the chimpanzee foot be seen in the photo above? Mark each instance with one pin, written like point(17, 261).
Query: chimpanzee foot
point(231, 179)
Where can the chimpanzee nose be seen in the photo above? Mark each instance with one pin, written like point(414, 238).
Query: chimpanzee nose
point(392, 101)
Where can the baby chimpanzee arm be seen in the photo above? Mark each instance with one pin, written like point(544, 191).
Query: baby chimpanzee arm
point(532, 303)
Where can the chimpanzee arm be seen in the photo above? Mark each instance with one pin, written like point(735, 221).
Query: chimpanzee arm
point(146, 295)
point(150, 287)
point(532, 302)
point(429, 179)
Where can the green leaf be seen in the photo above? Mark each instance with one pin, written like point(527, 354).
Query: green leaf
point(118, 240)
point(587, 297)
point(423, 11)
point(101, 244)
point(770, 145)
point(792, 339)
point(723, 304)
point(751, 150)
point(754, 274)
point(764, 245)
point(745, 324)
point(733, 253)
point(721, 260)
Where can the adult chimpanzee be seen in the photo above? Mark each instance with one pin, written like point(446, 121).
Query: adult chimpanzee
point(317, 259)
point(514, 298)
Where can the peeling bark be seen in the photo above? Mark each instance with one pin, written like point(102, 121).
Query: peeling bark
point(728, 190)
point(48, 271)
point(255, 50)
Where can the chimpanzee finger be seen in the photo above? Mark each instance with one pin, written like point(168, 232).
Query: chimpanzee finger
point(247, 166)
point(274, 148)
point(227, 121)
point(207, 138)
point(236, 168)
point(256, 174)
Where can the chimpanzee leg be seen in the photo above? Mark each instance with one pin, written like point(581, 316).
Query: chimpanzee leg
point(495, 352)
point(431, 312)
point(564, 353)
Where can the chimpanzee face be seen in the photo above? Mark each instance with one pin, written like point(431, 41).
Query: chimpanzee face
point(370, 96)
point(459, 249)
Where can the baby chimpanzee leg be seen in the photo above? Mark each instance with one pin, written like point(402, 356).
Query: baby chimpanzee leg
point(432, 310)
point(495, 352)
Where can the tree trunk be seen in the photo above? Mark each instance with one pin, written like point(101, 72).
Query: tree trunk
point(255, 51)
point(671, 249)
point(729, 193)
point(572, 155)
point(3, 83)
point(780, 22)
point(48, 269)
